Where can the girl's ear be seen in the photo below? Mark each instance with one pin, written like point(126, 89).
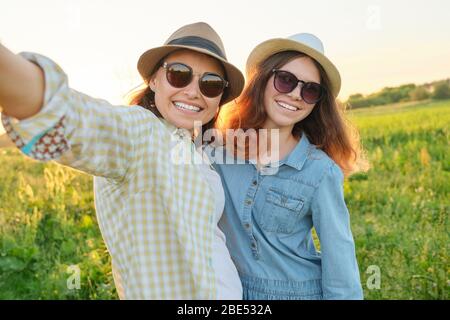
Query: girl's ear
point(152, 83)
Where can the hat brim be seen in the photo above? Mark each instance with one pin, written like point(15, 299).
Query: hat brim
point(270, 47)
point(150, 58)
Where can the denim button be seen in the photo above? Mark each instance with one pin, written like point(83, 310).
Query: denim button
point(247, 226)
point(248, 202)
point(255, 183)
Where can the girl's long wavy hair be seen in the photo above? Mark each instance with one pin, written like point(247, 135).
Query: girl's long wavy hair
point(144, 96)
point(326, 126)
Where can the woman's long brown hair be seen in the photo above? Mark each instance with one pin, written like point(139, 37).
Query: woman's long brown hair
point(326, 126)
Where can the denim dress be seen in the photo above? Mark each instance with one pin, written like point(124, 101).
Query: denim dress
point(268, 220)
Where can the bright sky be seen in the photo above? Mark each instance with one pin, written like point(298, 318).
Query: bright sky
point(374, 43)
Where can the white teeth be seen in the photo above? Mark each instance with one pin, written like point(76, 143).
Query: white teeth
point(185, 106)
point(287, 106)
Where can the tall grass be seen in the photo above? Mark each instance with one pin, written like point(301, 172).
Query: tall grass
point(47, 225)
point(400, 208)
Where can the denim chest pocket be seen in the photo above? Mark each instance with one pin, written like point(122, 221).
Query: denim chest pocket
point(281, 212)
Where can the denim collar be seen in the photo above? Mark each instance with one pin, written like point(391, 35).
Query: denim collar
point(296, 159)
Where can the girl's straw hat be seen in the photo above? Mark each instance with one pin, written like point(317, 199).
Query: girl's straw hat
point(302, 42)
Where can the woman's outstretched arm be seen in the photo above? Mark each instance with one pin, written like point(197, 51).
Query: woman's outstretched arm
point(21, 85)
point(52, 121)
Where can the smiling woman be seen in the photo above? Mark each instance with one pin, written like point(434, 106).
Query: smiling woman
point(183, 93)
point(158, 218)
point(292, 88)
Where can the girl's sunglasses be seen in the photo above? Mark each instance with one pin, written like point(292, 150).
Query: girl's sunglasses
point(285, 82)
point(180, 75)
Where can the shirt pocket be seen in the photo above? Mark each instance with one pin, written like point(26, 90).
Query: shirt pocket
point(281, 212)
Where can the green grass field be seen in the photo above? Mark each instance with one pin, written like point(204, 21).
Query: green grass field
point(399, 213)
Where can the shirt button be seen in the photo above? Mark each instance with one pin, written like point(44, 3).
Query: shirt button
point(255, 183)
point(248, 202)
point(247, 226)
point(253, 245)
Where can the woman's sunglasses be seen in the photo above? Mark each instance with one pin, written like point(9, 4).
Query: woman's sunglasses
point(285, 82)
point(180, 75)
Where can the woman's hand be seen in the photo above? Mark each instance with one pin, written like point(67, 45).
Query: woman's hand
point(22, 85)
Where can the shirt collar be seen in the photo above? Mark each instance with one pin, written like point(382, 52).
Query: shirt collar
point(296, 159)
point(179, 132)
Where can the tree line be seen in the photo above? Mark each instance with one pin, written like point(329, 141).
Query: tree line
point(437, 90)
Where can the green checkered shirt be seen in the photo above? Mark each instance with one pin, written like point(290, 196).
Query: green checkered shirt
point(154, 209)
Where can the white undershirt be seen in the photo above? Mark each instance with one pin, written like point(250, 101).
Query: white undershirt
point(228, 283)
